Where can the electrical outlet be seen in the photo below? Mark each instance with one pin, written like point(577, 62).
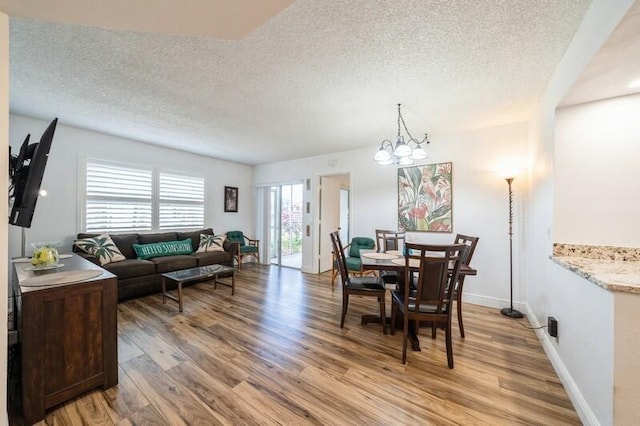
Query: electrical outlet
point(553, 326)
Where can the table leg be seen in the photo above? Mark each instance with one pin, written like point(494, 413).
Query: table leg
point(413, 337)
point(232, 285)
point(164, 291)
point(180, 295)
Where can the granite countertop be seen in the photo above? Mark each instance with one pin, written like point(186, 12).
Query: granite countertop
point(600, 267)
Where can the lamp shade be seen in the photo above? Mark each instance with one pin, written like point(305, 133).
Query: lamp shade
point(402, 149)
point(405, 161)
point(382, 155)
point(419, 154)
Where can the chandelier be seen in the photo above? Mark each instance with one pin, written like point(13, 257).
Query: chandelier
point(404, 152)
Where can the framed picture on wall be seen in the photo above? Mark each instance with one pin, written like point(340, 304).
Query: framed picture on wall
point(424, 198)
point(231, 199)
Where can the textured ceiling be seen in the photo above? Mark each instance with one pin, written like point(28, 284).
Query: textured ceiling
point(321, 76)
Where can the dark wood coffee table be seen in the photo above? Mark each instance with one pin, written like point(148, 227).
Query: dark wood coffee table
point(196, 274)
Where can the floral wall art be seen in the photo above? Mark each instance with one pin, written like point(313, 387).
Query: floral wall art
point(424, 198)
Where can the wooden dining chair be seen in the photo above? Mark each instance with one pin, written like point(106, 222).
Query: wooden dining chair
point(437, 268)
point(471, 243)
point(352, 257)
point(386, 241)
point(361, 286)
point(389, 240)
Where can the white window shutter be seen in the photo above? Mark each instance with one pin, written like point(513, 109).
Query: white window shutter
point(118, 198)
point(181, 201)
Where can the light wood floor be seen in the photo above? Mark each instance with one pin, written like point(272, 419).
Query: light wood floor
point(274, 354)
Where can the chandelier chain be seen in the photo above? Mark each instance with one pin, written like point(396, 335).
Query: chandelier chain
point(401, 120)
point(402, 152)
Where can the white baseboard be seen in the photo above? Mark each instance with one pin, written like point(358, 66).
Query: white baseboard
point(490, 302)
point(587, 416)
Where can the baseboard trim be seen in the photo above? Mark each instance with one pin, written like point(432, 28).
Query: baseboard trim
point(490, 302)
point(586, 414)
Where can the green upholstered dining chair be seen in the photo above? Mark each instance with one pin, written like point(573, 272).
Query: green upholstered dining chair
point(245, 246)
point(352, 257)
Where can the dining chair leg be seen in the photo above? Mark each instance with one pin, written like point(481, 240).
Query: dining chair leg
point(449, 345)
point(405, 337)
point(433, 330)
point(459, 306)
point(345, 303)
point(394, 313)
point(334, 274)
point(383, 314)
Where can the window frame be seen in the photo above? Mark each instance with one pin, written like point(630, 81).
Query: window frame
point(157, 176)
point(155, 193)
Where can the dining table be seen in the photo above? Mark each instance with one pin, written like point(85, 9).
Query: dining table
point(394, 261)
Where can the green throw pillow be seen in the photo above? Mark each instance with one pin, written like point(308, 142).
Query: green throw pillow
point(101, 247)
point(209, 243)
point(165, 248)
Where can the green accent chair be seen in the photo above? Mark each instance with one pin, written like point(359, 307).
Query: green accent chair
point(245, 246)
point(352, 257)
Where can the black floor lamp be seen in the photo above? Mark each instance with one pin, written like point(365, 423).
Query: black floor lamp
point(510, 312)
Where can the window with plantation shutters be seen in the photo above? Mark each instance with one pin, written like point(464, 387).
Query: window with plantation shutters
point(126, 198)
point(181, 201)
point(118, 198)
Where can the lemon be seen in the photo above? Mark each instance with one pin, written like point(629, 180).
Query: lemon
point(44, 256)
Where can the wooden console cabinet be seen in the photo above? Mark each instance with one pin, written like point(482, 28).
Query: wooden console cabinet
point(68, 335)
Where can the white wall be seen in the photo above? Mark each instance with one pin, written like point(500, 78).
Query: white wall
point(57, 215)
point(480, 199)
point(4, 183)
point(550, 290)
point(596, 176)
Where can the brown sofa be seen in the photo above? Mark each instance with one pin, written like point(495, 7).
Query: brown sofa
point(141, 277)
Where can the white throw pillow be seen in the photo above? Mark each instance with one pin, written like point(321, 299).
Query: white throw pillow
point(210, 243)
point(101, 247)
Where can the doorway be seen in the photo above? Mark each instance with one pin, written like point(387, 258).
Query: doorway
point(333, 215)
point(285, 225)
point(345, 233)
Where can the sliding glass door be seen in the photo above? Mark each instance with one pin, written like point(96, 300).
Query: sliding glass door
point(286, 225)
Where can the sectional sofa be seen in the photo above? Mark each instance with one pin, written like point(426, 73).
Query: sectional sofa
point(138, 277)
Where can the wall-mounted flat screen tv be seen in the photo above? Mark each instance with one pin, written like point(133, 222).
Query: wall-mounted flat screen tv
point(26, 172)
